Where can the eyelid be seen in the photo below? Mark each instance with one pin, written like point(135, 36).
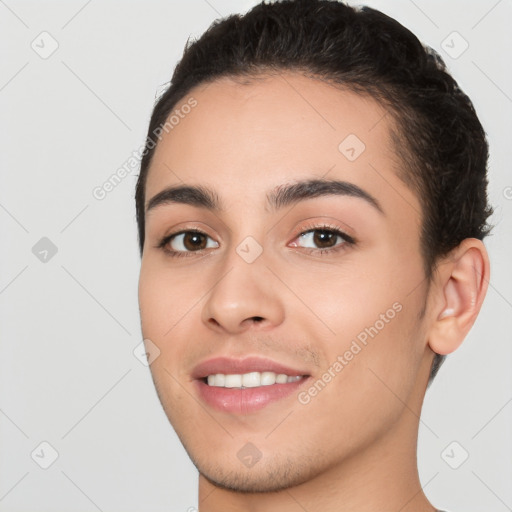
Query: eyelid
point(326, 226)
point(195, 226)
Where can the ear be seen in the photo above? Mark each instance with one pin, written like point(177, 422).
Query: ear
point(461, 279)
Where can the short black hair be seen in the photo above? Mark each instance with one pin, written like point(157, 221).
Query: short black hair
point(436, 132)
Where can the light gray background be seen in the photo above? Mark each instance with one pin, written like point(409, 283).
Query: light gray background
point(68, 375)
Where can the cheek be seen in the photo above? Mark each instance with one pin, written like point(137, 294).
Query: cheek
point(164, 299)
point(170, 304)
point(364, 385)
point(342, 299)
point(367, 313)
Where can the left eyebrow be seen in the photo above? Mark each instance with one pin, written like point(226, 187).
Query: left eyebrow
point(283, 195)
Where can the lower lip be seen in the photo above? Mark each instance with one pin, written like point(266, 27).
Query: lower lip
point(246, 400)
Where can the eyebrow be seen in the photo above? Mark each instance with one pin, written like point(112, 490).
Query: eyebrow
point(283, 195)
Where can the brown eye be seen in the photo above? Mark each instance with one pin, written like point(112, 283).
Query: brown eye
point(190, 241)
point(322, 239)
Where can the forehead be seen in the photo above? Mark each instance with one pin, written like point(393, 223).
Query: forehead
point(273, 129)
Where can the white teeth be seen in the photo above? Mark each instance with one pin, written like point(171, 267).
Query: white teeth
point(268, 378)
point(250, 380)
point(232, 381)
point(281, 379)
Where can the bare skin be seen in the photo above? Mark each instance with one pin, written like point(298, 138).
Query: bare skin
point(351, 445)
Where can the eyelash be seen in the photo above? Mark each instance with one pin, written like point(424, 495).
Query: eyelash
point(335, 230)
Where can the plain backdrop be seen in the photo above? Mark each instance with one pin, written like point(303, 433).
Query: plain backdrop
point(78, 80)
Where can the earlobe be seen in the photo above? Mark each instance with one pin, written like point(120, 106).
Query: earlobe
point(462, 282)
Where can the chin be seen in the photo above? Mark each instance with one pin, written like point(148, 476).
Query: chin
point(264, 477)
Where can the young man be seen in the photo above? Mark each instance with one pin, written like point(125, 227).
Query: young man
point(311, 208)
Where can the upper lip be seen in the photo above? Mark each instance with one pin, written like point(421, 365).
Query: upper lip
point(230, 365)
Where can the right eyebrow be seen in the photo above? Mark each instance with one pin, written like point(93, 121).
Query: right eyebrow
point(194, 195)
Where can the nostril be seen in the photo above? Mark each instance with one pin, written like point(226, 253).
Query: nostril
point(257, 318)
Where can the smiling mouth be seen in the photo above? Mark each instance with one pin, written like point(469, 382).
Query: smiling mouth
point(245, 386)
point(250, 380)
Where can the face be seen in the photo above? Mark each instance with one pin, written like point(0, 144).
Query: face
point(283, 293)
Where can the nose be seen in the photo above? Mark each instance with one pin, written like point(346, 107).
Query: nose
point(244, 296)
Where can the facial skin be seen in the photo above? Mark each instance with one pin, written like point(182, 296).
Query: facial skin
point(352, 446)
